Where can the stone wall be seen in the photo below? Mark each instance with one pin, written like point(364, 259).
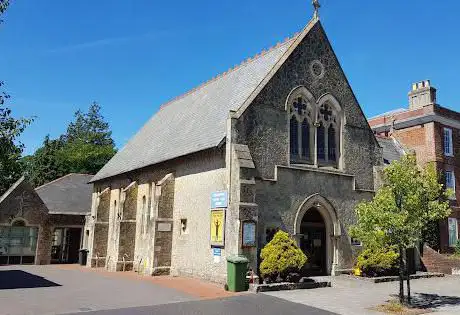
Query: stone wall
point(173, 189)
point(130, 204)
point(279, 200)
point(100, 241)
point(127, 226)
point(264, 124)
point(191, 250)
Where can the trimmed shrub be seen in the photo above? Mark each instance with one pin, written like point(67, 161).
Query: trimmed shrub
point(377, 261)
point(281, 258)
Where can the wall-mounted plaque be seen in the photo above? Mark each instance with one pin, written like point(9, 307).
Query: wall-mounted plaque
point(249, 234)
point(164, 227)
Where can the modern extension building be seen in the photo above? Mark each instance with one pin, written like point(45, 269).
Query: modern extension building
point(44, 225)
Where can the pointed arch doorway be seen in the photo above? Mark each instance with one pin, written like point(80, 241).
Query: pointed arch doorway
point(317, 230)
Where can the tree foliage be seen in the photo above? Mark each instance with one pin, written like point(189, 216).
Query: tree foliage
point(377, 257)
point(3, 5)
point(409, 199)
point(281, 256)
point(86, 146)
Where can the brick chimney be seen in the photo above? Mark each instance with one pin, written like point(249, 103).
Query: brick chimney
point(422, 94)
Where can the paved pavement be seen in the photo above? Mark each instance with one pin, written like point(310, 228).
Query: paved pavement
point(350, 297)
point(52, 290)
point(239, 305)
point(42, 290)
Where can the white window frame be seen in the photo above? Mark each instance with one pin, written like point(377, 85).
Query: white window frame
point(456, 231)
point(450, 182)
point(447, 140)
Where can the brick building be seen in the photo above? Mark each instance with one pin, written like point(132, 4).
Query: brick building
point(433, 133)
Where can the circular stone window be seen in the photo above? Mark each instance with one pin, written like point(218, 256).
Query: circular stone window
point(317, 69)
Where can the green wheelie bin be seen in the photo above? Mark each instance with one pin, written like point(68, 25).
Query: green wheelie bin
point(236, 273)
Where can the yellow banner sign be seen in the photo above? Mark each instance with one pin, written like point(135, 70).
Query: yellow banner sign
point(217, 227)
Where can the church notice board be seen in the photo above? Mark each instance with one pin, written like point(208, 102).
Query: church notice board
point(217, 227)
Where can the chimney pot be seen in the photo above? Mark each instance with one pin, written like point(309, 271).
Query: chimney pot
point(422, 94)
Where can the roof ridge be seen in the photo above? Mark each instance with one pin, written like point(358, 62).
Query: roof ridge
point(12, 188)
point(58, 179)
point(240, 65)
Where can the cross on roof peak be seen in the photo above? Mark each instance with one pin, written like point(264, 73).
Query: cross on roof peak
point(316, 7)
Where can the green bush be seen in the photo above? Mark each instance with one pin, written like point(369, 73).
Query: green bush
point(457, 248)
point(377, 261)
point(280, 257)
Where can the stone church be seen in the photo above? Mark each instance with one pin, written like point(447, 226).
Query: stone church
point(278, 142)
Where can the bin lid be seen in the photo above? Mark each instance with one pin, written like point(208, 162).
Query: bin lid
point(236, 259)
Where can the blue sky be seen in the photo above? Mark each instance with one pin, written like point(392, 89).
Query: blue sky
point(132, 56)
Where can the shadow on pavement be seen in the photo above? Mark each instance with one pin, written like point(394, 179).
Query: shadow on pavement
point(425, 300)
point(18, 279)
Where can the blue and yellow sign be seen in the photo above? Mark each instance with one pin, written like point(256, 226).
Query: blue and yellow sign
point(217, 227)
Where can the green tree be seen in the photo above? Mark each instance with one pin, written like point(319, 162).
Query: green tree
point(3, 5)
point(46, 164)
point(88, 143)
point(10, 130)
point(409, 199)
point(86, 147)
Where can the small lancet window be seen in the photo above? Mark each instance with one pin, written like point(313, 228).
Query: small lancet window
point(332, 156)
point(299, 130)
point(294, 137)
point(305, 140)
point(320, 143)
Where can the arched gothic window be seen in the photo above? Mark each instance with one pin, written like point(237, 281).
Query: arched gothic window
point(300, 124)
point(328, 142)
point(314, 129)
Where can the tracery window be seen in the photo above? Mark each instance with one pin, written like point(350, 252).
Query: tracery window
point(328, 140)
point(300, 125)
point(314, 129)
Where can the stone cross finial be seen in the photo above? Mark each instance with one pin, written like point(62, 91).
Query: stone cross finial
point(316, 6)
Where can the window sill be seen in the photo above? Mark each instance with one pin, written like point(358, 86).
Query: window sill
point(314, 168)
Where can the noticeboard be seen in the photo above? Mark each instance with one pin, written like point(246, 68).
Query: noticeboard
point(217, 227)
point(249, 234)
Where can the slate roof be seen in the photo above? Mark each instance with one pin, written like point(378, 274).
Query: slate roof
point(70, 194)
point(11, 189)
point(392, 150)
point(196, 120)
point(390, 113)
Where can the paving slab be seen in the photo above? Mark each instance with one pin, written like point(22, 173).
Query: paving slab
point(349, 297)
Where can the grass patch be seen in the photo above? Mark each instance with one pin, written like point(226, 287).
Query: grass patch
point(394, 307)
